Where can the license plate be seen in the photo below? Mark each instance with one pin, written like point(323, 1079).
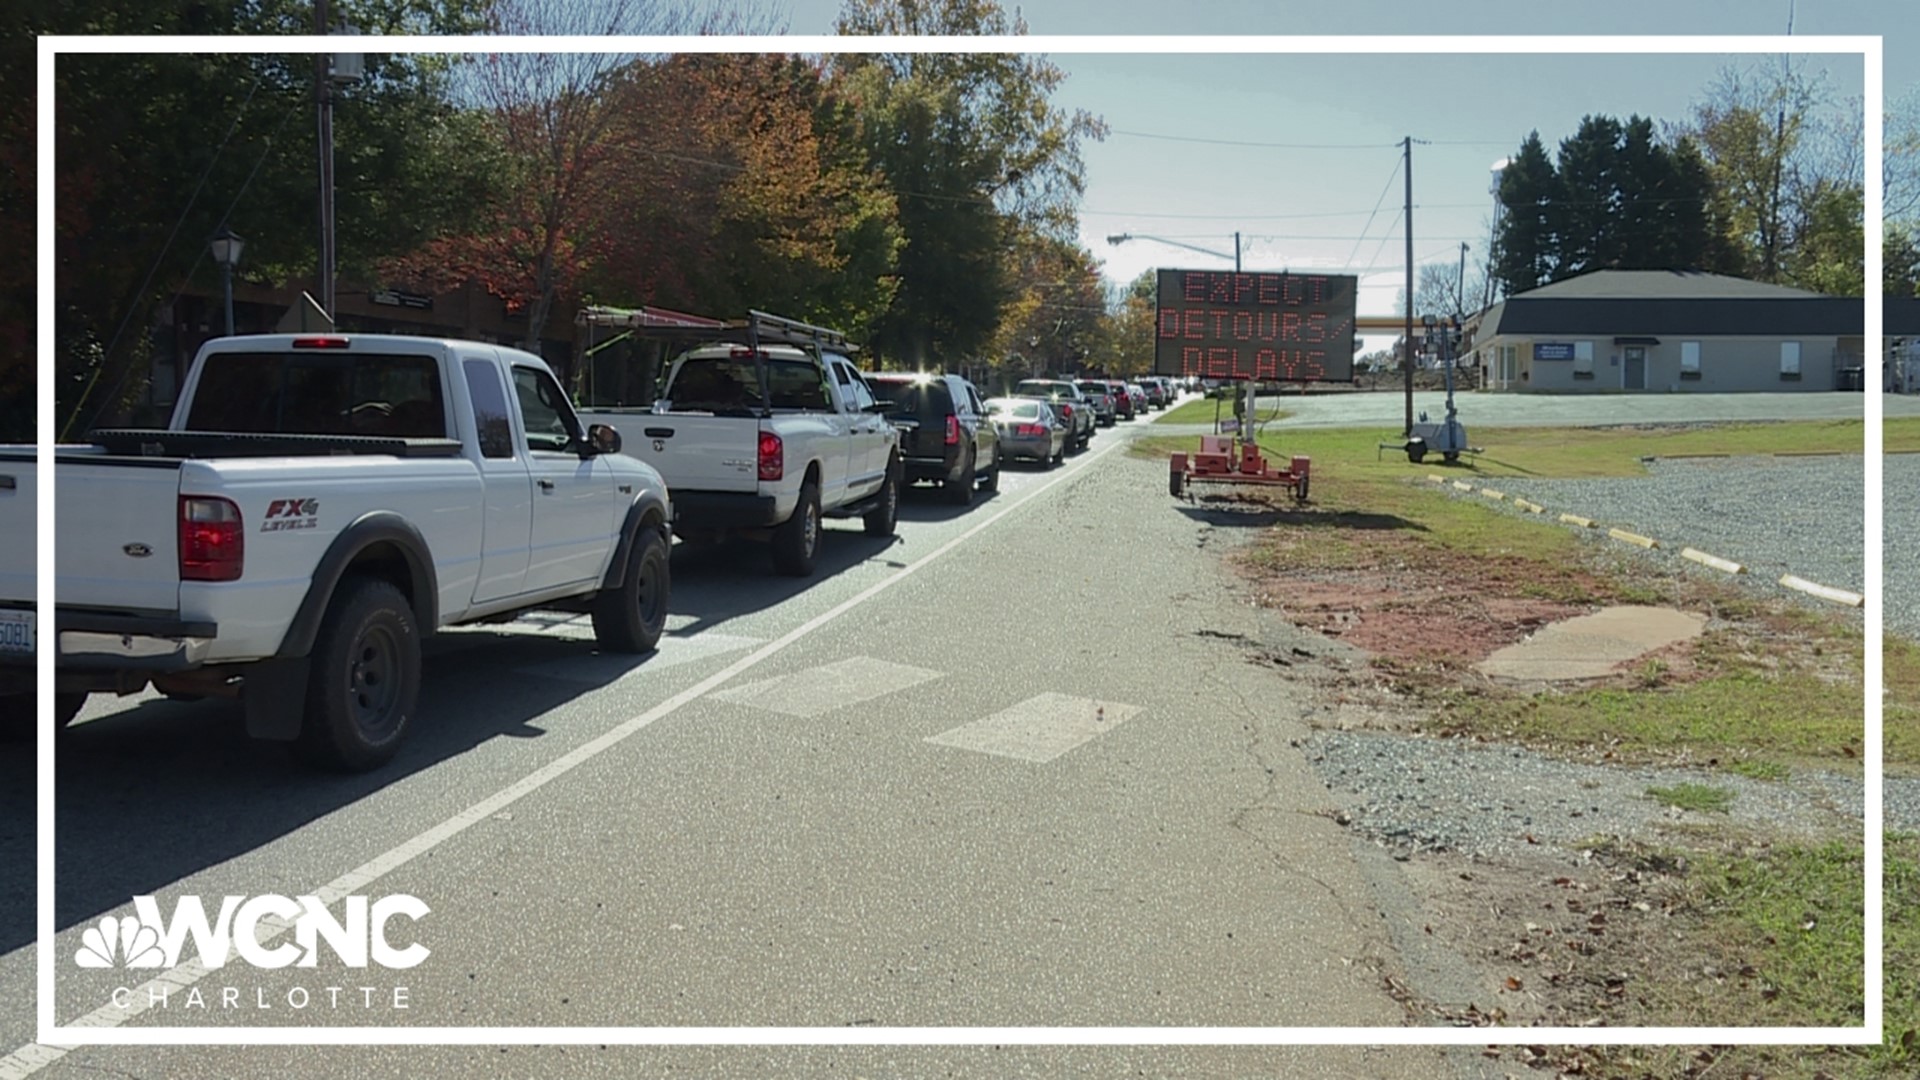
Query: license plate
point(16, 631)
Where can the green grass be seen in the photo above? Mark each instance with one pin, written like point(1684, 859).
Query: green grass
point(1202, 411)
point(1699, 797)
point(1739, 708)
point(1757, 769)
point(1900, 715)
point(1798, 911)
point(1551, 453)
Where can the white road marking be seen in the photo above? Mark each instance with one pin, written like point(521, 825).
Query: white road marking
point(600, 669)
point(1040, 728)
point(816, 690)
point(51, 1047)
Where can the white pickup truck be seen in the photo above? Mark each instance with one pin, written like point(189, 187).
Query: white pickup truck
point(764, 431)
point(316, 505)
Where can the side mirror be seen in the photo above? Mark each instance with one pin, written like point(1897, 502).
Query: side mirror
point(603, 438)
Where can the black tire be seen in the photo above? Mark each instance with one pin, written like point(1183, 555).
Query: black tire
point(992, 483)
point(1451, 456)
point(67, 706)
point(884, 520)
point(1416, 452)
point(365, 678)
point(1176, 483)
point(1300, 495)
point(797, 540)
point(631, 618)
point(1059, 458)
point(959, 491)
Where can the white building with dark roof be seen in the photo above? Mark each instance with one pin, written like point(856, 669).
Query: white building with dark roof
point(1669, 331)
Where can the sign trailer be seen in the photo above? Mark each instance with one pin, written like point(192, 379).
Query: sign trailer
point(1250, 328)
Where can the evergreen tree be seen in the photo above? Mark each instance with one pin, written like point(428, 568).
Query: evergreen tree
point(1530, 226)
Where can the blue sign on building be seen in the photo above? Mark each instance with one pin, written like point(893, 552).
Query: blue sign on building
point(1553, 350)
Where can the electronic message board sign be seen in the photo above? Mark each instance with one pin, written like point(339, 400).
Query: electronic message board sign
point(1219, 324)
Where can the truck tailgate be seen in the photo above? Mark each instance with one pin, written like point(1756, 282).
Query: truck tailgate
point(117, 533)
point(693, 451)
point(17, 531)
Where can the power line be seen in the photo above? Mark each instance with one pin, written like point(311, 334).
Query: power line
point(1377, 204)
point(1270, 145)
point(1268, 217)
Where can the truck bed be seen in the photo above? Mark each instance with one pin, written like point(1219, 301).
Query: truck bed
point(159, 442)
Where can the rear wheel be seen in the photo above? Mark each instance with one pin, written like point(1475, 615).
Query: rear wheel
point(797, 539)
point(960, 491)
point(365, 679)
point(1059, 456)
point(631, 618)
point(1176, 483)
point(883, 520)
point(992, 483)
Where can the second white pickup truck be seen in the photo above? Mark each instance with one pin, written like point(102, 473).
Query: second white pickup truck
point(762, 433)
point(316, 505)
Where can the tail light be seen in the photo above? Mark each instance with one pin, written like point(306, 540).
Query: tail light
point(953, 431)
point(773, 457)
point(1066, 412)
point(321, 343)
point(1030, 429)
point(213, 544)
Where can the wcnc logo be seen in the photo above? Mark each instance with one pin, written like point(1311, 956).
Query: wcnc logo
point(145, 939)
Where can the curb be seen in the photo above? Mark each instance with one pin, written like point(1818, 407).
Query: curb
point(1714, 561)
point(1824, 592)
point(1633, 538)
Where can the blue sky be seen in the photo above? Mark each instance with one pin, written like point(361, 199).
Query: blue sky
point(1153, 177)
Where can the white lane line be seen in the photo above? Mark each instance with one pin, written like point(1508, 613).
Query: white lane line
point(56, 1043)
point(821, 689)
point(1040, 728)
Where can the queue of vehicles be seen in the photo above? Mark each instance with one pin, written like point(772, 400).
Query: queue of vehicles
point(318, 503)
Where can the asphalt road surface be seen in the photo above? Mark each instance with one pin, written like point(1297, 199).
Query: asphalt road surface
point(992, 773)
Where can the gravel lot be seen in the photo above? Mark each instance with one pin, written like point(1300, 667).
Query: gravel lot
point(1787, 515)
point(1439, 794)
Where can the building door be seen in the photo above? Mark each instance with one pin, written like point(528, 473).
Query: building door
point(1636, 373)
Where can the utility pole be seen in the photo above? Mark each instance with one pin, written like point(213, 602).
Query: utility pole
point(1236, 252)
point(323, 98)
point(1407, 361)
point(1460, 290)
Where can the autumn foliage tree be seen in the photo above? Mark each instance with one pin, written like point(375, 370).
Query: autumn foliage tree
point(739, 184)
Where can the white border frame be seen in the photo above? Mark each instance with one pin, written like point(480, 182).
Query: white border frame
point(49, 1032)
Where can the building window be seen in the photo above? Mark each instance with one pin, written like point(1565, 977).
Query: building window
point(1689, 359)
point(1583, 359)
point(1789, 361)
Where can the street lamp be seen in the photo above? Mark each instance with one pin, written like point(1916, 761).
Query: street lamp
point(1116, 241)
point(225, 247)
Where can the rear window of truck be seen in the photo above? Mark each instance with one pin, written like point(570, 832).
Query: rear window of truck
point(320, 394)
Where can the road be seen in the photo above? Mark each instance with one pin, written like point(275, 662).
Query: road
point(991, 773)
point(995, 772)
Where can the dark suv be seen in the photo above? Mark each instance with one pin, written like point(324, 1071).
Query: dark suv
point(1067, 399)
point(945, 434)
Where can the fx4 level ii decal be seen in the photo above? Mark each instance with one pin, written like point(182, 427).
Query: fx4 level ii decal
point(285, 514)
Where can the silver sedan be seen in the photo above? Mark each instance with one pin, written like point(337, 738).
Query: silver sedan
point(1028, 429)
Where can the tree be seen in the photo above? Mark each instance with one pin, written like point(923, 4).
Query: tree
point(741, 182)
point(154, 152)
point(1751, 131)
point(1900, 250)
point(1526, 251)
point(972, 149)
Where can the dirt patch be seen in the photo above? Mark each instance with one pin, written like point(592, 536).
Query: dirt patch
point(1398, 615)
